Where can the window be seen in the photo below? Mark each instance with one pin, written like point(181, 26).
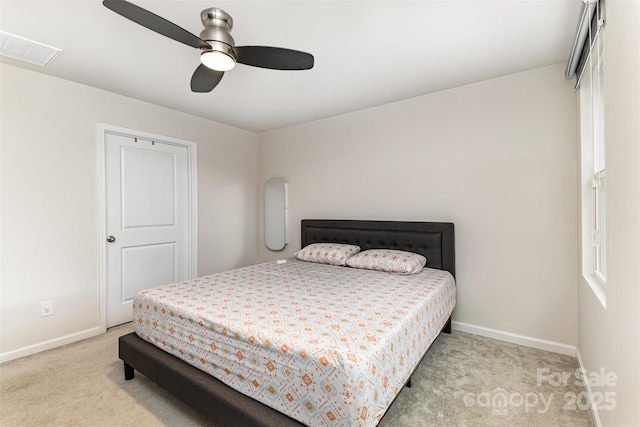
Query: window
point(586, 63)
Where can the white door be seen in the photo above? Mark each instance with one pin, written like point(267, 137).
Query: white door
point(147, 219)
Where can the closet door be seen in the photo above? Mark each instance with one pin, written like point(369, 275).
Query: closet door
point(147, 219)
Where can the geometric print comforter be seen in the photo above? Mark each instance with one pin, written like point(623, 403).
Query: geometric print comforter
point(326, 345)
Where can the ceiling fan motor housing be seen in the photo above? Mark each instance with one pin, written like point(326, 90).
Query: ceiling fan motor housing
point(217, 26)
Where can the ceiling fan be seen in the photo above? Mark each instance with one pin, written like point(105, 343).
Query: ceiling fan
point(219, 52)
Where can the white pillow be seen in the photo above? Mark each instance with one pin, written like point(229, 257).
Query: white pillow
point(327, 253)
point(390, 260)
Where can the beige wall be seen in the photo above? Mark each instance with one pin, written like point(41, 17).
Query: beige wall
point(498, 158)
point(609, 338)
point(49, 199)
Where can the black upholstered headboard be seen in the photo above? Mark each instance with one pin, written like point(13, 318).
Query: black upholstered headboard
point(433, 240)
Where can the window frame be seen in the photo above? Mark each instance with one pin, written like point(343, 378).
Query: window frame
point(593, 168)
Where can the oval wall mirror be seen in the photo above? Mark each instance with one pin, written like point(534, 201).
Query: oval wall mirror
point(275, 214)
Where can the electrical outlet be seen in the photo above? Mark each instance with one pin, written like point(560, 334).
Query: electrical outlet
point(46, 308)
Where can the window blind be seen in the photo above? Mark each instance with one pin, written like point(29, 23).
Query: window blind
point(589, 23)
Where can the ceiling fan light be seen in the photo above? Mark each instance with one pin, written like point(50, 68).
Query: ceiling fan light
point(217, 60)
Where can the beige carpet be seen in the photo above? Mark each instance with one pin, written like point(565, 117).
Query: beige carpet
point(465, 380)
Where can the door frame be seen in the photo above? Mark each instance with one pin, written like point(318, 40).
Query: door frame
point(192, 246)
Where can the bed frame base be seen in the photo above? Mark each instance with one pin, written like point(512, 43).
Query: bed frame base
point(447, 326)
point(204, 393)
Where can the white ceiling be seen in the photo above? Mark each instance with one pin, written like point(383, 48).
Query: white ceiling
point(367, 53)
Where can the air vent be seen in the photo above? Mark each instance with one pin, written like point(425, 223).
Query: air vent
point(26, 50)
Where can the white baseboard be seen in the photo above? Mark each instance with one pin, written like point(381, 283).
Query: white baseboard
point(538, 343)
point(594, 408)
point(48, 345)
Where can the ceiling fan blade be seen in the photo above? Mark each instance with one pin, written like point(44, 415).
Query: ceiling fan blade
point(204, 79)
point(275, 58)
point(155, 23)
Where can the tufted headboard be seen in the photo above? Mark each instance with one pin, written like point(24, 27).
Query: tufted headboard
point(433, 240)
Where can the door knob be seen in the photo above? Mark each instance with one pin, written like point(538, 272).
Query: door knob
point(111, 239)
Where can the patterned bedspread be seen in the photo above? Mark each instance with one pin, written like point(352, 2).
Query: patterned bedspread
point(323, 344)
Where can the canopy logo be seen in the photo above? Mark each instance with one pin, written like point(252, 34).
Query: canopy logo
point(499, 400)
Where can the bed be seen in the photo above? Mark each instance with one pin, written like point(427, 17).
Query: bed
point(224, 405)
